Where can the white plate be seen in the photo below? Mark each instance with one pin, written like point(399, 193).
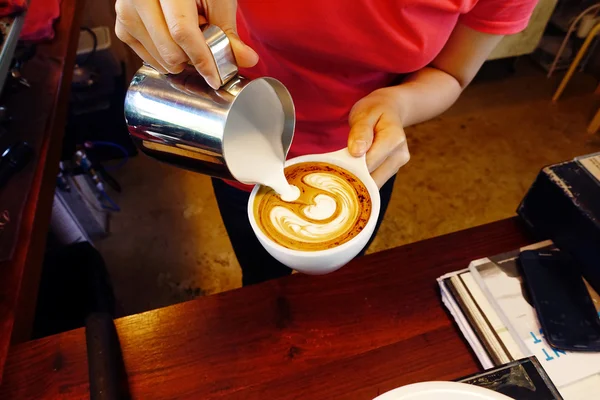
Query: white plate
point(441, 391)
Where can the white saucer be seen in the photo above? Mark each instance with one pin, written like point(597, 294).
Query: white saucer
point(441, 391)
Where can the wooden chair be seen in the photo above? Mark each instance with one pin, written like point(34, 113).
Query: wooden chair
point(594, 125)
point(573, 67)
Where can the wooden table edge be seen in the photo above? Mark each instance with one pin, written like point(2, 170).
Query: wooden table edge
point(510, 232)
point(28, 255)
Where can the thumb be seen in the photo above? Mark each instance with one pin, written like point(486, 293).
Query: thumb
point(361, 133)
point(222, 13)
point(245, 56)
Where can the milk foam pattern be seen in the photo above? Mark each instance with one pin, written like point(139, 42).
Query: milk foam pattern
point(332, 208)
point(330, 214)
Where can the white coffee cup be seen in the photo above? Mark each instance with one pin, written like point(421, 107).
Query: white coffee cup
point(324, 261)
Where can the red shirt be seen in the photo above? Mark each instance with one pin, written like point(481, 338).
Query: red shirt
point(331, 53)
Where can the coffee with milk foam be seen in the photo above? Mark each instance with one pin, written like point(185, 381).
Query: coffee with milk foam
point(333, 207)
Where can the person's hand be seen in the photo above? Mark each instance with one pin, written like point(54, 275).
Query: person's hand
point(376, 129)
point(166, 33)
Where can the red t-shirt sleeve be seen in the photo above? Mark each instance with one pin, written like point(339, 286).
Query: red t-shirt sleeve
point(499, 17)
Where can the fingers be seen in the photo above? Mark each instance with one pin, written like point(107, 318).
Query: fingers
point(389, 136)
point(166, 34)
point(380, 134)
point(182, 22)
point(130, 29)
point(245, 57)
point(136, 46)
point(223, 14)
point(396, 160)
point(153, 19)
point(362, 126)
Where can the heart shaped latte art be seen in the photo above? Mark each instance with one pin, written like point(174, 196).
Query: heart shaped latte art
point(333, 207)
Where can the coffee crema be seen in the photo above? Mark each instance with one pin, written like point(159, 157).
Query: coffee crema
point(333, 207)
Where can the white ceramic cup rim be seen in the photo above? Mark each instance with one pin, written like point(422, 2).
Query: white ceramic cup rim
point(366, 230)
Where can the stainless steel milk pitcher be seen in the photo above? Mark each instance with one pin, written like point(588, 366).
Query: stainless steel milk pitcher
point(181, 120)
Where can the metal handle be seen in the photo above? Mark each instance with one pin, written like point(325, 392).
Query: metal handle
point(222, 53)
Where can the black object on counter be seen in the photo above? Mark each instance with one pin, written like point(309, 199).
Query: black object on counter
point(14, 159)
point(562, 302)
point(563, 204)
point(524, 379)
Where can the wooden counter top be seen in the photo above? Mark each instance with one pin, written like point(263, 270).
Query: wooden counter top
point(376, 324)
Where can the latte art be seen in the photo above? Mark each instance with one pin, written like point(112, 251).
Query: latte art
point(333, 207)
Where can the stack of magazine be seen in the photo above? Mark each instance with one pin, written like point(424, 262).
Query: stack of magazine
point(490, 305)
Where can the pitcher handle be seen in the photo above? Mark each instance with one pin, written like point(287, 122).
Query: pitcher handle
point(220, 48)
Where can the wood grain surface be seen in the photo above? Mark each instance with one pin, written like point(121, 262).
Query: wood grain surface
point(376, 324)
point(40, 110)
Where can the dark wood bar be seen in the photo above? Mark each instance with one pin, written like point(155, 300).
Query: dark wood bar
point(376, 324)
point(40, 112)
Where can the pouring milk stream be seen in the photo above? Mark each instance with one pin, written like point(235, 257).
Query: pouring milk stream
point(254, 151)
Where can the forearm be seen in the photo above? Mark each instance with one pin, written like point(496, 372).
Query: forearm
point(430, 91)
point(424, 95)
